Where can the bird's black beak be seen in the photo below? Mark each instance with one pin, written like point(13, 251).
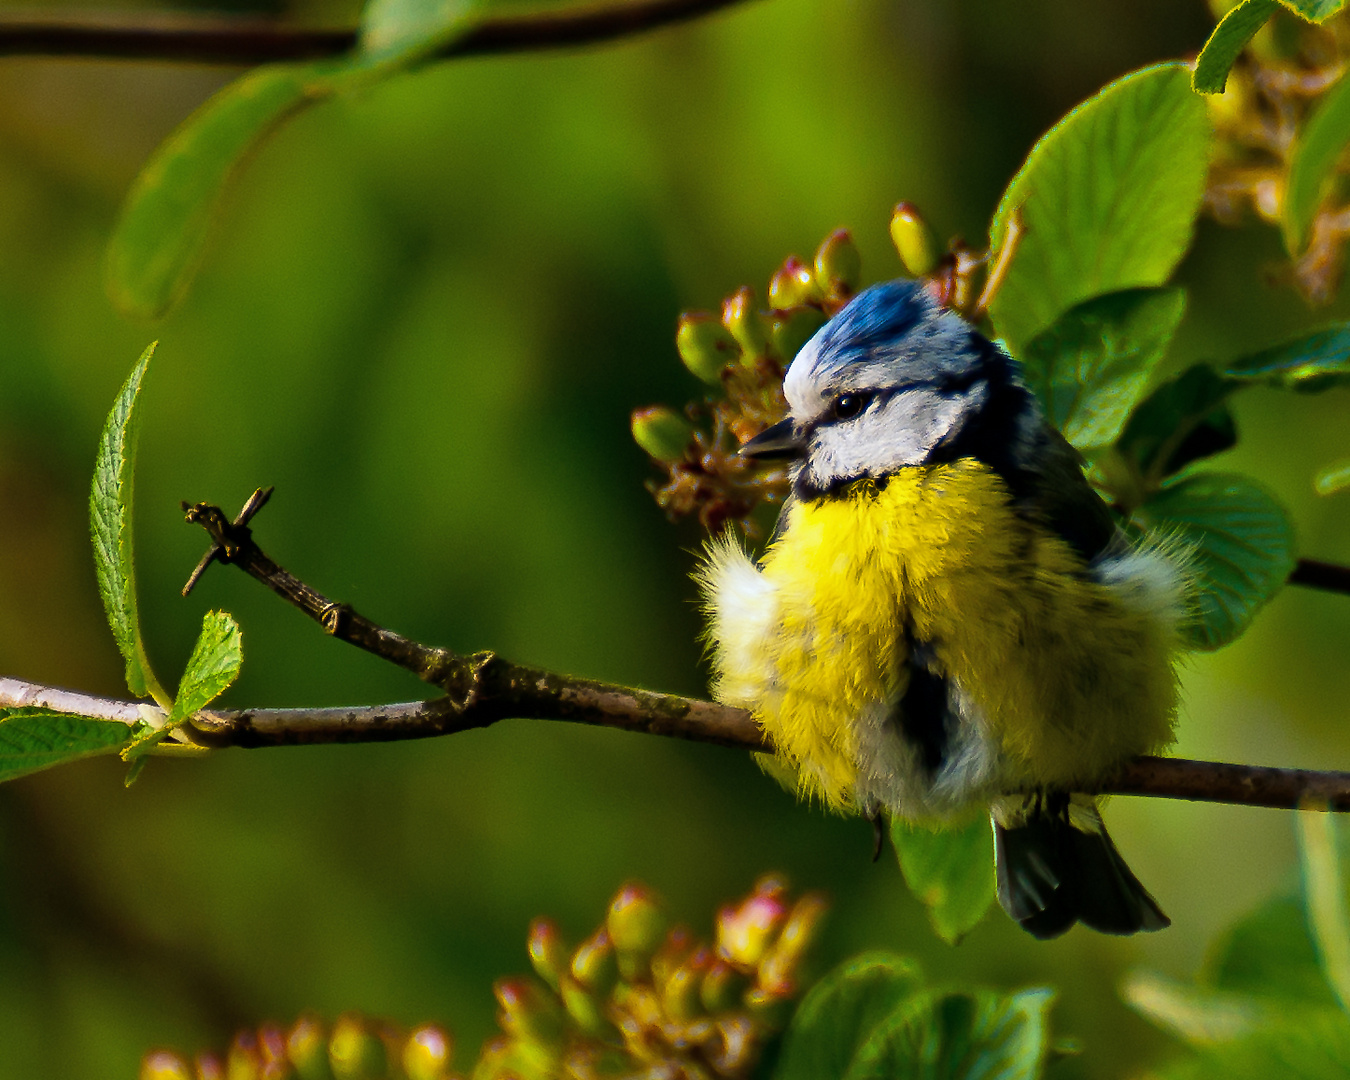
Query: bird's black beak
point(780, 441)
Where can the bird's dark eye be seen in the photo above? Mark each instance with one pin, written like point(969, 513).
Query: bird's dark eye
point(847, 406)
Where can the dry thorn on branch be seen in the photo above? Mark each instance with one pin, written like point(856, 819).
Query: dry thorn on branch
point(216, 41)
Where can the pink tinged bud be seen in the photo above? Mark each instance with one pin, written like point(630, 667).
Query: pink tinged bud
point(838, 266)
point(680, 995)
point(672, 952)
point(548, 954)
point(913, 240)
point(740, 317)
point(745, 932)
point(594, 964)
point(778, 971)
point(706, 346)
point(208, 1067)
point(530, 1012)
point(636, 926)
point(426, 1053)
point(164, 1065)
point(244, 1060)
point(355, 1052)
point(307, 1049)
point(793, 285)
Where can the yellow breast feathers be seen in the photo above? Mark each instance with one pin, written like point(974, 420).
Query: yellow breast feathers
point(1054, 672)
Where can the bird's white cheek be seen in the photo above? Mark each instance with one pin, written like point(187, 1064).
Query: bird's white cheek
point(901, 433)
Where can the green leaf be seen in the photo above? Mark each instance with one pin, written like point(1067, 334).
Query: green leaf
point(1230, 37)
point(1314, 10)
point(1241, 543)
point(411, 30)
point(1314, 1045)
point(1269, 953)
point(1107, 198)
point(1198, 1015)
point(1333, 478)
point(960, 1035)
point(842, 1012)
point(1312, 164)
point(951, 871)
point(158, 241)
point(1324, 889)
point(110, 524)
point(33, 739)
point(214, 664)
point(1183, 420)
point(1309, 363)
point(1090, 368)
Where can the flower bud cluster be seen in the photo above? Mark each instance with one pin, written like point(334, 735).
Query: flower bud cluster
point(641, 999)
point(743, 352)
point(1259, 120)
point(354, 1048)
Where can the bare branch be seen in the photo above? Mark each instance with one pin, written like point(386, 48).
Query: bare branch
point(529, 693)
point(239, 42)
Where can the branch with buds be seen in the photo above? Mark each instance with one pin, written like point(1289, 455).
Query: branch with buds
point(482, 688)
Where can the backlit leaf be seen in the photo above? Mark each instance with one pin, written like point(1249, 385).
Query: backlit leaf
point(1108, 200)
point(1309, 363)
point(110, 525)
point(1227, 41)
point(951, 871)
point(1318, 147)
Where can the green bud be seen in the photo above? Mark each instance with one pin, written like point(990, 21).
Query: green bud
point(795, 329)
point(244, 1061)
point(594, 964)
point(354, 1051)
point(548, 954)
point(530, 1012)
point(740, 317)
point(914, 240)
point(680, 995)
point(426, 1053)
point(307, 1049)
point(838, 265)
point(664, 434)
point(584, 1007)
point(793, 285)
point(637, 926)
point(706, 346)
point(723, 987)
point(164, 1065)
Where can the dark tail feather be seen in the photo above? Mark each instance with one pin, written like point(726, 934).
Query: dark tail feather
point(1052, 874)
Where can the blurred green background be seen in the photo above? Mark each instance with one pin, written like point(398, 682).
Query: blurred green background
point(425, 317)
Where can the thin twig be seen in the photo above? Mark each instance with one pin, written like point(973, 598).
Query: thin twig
point(237, 42)
point(1315, 574)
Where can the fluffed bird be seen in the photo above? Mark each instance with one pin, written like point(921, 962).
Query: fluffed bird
point(947, 617)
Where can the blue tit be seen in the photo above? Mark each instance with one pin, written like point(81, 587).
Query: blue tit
point(947, 619)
